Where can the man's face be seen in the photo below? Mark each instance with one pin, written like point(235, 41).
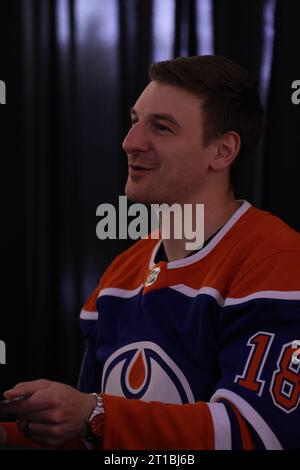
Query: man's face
point(166, 157)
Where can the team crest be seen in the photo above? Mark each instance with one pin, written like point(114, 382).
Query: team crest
point(144, 371)
point(153, 275)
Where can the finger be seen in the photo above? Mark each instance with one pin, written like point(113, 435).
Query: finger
point(42, 440)
point(26, 388)
point(39, 401)
point(47, 430)
point(48, 435)
point(44, 416)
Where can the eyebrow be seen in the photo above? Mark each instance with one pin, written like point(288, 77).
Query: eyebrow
point(162, 116)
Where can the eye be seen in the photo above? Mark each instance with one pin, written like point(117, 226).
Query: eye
point(161, 127)
point(133, 121)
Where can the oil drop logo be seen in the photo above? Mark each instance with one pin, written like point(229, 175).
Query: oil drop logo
point(144, 371)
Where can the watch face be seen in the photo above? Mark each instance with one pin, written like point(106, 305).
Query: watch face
point(96, 425)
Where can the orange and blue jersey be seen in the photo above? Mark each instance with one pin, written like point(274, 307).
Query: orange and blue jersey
point(197, 353)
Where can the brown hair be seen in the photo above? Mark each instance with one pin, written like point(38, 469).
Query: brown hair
point(231, 101)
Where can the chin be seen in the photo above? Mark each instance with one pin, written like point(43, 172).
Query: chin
point(133, 196)
point(139, 196)
point(136, 193)
point(145, 194)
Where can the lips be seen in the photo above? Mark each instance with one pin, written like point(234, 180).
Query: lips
point(138, 171)
point(139, 167)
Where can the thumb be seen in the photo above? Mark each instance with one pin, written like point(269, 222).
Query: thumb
point(26, 388)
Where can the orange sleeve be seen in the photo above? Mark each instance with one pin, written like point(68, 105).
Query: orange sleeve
point(16, 439)
point(134, 424)
point(137, 425)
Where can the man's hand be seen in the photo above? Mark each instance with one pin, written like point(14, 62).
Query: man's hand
point(53, 414)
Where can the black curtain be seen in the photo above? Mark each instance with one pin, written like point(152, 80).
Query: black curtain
point(281, 191)
point(72, 74)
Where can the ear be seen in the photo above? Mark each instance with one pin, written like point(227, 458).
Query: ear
point(226, 148)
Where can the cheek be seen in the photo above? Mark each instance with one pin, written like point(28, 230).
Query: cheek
point(182, 159)
point(188, 165)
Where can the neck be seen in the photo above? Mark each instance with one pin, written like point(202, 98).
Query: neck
point(216, 213)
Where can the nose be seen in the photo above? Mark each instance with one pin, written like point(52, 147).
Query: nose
point(136, 139)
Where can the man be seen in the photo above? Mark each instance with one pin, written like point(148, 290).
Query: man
point(190, 350)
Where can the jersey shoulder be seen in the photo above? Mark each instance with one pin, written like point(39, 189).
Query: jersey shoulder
point(268, 256)
point(270, 233)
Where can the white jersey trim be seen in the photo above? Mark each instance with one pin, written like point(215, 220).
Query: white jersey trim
point(154, 253)
point(190, 292)
point(222, 427)
point(266, 434)
point(229, 301)
point(264, 294)
point(85, 315)
point(215, 240)
point(123, 293)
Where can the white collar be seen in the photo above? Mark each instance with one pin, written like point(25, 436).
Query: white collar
point(209, 247)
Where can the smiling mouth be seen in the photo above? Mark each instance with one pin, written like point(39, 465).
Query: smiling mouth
point(139, 168)
point(136, 171)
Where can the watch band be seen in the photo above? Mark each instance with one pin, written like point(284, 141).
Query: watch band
point(99, 408)
point(95, 421)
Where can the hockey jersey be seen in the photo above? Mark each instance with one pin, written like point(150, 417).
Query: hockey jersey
point(199, 353)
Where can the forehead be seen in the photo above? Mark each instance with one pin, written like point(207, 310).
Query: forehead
point(158, 98)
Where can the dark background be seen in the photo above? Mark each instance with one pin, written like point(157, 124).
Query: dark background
point(72, 70)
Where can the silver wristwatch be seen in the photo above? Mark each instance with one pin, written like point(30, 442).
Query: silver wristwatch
point(95, 421)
